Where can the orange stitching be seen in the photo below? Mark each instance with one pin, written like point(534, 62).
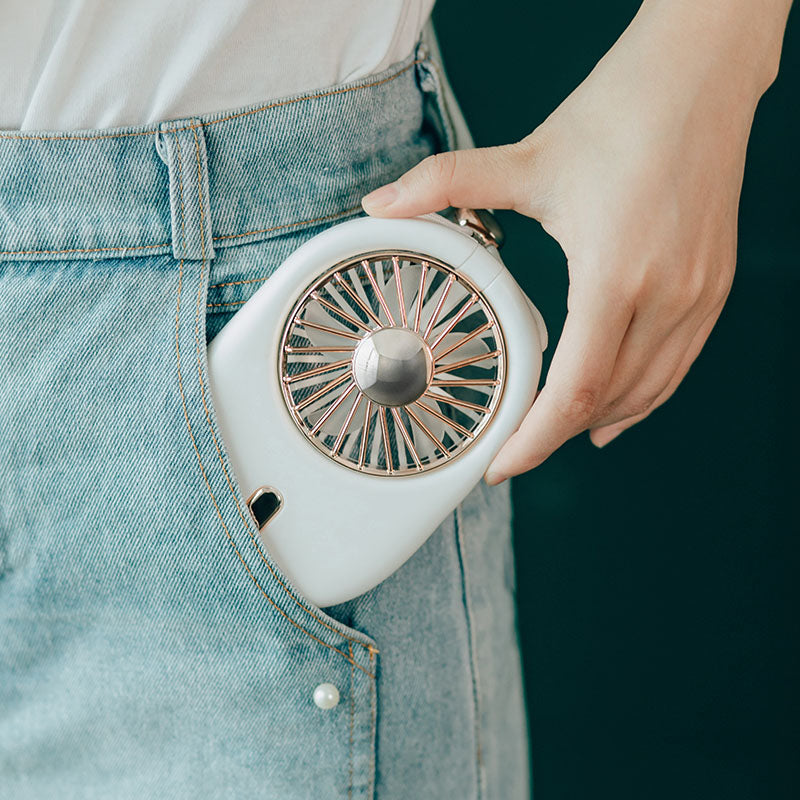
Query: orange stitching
point(180, 183)
point(317, 96)
point(214, 437)
point(211, 493)
point(267, 230)
point(253, 539)
point(461, 549)
point(68, 138)
point(287, 225)
point(373, 692)
point(235, 283)
point(80, 250)
point(167, 244)
point(188, 127)
point(352, 714)
point(232, 303)
point(199, 459)
point(200, 201)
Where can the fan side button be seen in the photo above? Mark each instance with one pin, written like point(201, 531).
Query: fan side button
point(264, 504)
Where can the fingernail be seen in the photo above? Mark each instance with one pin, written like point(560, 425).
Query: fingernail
point(492, 477)
point(605, 438)
point(380, 198)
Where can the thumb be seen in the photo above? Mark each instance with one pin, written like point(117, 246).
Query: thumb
point(487, 177)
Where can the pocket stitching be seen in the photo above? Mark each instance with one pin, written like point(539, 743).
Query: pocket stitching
point(214, 499)
point(296, 600)
point(180, 185)
point(352, 719)
point(213, 435)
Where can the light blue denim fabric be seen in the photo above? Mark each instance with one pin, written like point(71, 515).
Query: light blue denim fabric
point(149, 646)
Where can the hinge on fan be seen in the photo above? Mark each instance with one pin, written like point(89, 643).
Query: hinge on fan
point(481, 225)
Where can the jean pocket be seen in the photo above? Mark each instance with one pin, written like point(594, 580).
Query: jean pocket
point(216, 294)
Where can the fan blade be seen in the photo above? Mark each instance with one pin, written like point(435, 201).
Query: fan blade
point(442, 432)
point(377, 278)
point(474, 347)
point(357, 280)
point(409, 280)
point(450, 405)
point(464, 317)
point(346, 308)
point(336, 331)
point(454, 297)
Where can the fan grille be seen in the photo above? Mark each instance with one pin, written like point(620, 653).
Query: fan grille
point(456, 326)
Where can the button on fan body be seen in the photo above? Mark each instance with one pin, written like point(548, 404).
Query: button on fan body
point(370, 381)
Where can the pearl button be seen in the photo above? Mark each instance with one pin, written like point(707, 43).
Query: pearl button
point(326, 696)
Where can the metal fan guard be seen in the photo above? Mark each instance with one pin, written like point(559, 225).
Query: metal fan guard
point(355, 446)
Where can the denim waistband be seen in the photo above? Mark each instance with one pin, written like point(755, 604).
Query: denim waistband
point(190, 186)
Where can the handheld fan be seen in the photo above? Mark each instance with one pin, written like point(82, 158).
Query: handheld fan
point(364, 389)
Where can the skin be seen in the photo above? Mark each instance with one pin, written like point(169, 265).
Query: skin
point(637, 175)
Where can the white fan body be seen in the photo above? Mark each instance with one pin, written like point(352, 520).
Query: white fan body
point(343, 528)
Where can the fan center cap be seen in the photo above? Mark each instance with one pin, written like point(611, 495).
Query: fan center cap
point(393, 366)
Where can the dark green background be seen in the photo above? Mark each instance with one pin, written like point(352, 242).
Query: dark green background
point(658, 578)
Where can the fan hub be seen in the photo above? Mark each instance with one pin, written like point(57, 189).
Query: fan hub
point(393, 366)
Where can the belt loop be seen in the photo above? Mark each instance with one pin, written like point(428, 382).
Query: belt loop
point(182, 145)
point(441, 107)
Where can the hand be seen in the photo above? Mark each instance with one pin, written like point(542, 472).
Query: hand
point(637, 175)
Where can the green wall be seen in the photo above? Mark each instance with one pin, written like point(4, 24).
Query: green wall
point(658, 578)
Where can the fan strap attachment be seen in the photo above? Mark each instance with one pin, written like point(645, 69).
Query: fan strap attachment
point(481, 224)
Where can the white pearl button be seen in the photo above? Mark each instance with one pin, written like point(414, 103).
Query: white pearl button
point(326, 696)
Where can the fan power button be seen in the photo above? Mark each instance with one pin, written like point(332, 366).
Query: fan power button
point(264, 504)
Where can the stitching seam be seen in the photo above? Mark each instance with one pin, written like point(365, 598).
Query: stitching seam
point(208, 485)
point(287, 225)
point(236, 283)
point(216, 443)
point(188, 127)
point(352, 714)
point(372, 693)
point(81, 250)
point(460, 549)
point(231, 303)
point(168, 244)
point(267, 107)
point(180, 183)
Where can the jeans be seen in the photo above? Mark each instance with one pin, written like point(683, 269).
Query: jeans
point(149, 646)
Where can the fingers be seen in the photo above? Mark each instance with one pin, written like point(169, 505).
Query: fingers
point(606, 432)
point(576, 383)
point(645, 365)
point(669, 310)
point(576, 395)
point(645, 347)
point(489, 177)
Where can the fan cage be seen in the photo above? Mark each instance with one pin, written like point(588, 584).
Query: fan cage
point(392, 289)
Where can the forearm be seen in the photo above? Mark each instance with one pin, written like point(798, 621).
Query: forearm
point(736, 39)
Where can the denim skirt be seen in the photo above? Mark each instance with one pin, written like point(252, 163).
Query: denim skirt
point(149, 644)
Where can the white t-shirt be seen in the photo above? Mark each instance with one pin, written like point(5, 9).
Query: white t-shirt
point(71, 64)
